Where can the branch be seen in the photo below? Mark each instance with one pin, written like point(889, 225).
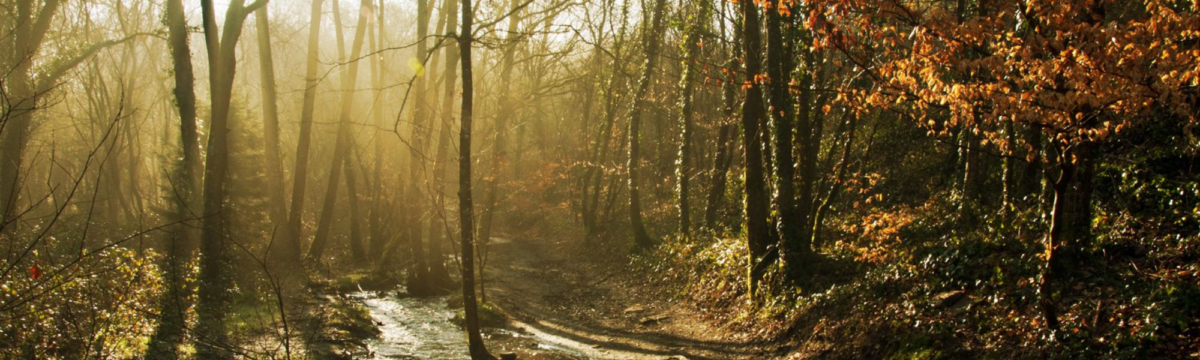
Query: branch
point(61, 67)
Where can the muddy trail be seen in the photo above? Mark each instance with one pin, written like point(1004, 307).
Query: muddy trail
point(589, 302)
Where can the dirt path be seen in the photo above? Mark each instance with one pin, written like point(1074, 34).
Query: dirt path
point(589, 305)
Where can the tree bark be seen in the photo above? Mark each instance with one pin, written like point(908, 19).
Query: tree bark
point(214, 299)
point(418, 272)
point(687, 86)
point(794, 246)
point(357, 251)
point(726, 135)
point(641, 238)
point(501, 125)
point(466, 207)
point(275, 191)
point(438, 274)
point(343, 141)
point(378, 239)
point(757, 232)
point(168, 335)
point(293, 247)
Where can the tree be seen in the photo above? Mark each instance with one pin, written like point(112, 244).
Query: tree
point(214, 299)
point(418, 274)
point(164, 345)
point(438, 274)
point(641, 104)
point(512, 40)
point(378, 239)
point(594, 177)
point(793, 246)
point(25, 91)
point(292, 248)
point(757, 222)
point(466, 207)
point(1077, 71)
point(687, 85)
point(343, 141)
point(726, 133)
point(278, 204)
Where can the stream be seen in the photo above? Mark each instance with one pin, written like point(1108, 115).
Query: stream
point(421, 328)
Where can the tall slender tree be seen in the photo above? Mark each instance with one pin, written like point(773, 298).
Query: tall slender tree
point(418, 272)
point(779, 65)
point(687, 85)
point(343, 142)
point(757, 223)
point(294, 245)
point(277, 210)
point(641, 238)
point(466, 206)
point(168, 335)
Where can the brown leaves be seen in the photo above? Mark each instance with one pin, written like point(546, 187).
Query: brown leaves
point(1080, 74)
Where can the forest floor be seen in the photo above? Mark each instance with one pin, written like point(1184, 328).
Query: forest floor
point(593, 304)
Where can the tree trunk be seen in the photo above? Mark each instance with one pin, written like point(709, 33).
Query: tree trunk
point(357, 251)
point(1079, 216)
point(725, 135)
point(378, 239)
point(835, 185)
point(1058, 225)
point(466, 207)
point(27, 36)
point(1030, 183)
point(342, 145)
point(641, 238)
point(418, 272)
point(757, 232)
point(278, 204)
point(794, 247)
point(293, 247)
point(600, 157)
point(214, 301)
point(438, 274)
point(687, 87)
point(168, 335)
point(501, 125)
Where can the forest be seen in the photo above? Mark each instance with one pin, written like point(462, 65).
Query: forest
point(599, 179)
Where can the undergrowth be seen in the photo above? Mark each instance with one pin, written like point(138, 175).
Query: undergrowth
point(934, 282)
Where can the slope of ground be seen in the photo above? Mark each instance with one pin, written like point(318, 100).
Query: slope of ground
point(590, 303)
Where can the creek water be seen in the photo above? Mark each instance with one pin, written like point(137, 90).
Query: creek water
point(413, 327)
point(421, 328)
